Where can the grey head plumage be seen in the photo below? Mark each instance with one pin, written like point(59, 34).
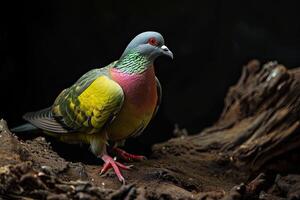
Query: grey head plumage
point(150, 44)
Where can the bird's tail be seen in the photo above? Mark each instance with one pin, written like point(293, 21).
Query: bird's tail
point(24, 128)
point(29, 127)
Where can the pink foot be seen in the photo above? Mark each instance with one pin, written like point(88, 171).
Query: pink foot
point(127, 156)
point(109, 162)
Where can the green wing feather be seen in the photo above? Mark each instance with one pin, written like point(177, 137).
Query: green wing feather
point(86, 106)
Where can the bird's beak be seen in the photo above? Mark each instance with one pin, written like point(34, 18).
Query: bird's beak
point(166, 51)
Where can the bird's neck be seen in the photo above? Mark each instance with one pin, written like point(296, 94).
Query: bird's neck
point(133, 63)
point(139, 89)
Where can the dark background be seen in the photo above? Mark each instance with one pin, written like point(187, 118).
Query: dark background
point(47, 46)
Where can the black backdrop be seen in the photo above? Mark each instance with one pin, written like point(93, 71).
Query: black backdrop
point(47, 46)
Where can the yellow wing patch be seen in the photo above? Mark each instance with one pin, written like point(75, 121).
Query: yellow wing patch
point(100, 101)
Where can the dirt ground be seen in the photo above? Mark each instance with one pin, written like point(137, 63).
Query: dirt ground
point(174, 173)
point(30, 169)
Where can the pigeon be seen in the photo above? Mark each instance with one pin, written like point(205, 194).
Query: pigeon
point(109, 104)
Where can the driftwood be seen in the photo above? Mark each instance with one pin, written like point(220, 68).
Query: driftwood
point(249, 153)
point(260, 120)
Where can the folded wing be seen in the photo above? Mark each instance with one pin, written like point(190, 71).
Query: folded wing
point(86, 106)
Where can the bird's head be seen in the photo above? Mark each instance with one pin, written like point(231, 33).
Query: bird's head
point(149, 44)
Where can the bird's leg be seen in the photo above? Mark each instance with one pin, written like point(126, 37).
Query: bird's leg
point(127, 156)
point(109, 162)
point(98, 147)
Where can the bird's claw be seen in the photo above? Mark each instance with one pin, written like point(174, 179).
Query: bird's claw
point(109, 163)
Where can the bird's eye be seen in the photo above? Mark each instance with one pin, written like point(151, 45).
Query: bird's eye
point(153, 42)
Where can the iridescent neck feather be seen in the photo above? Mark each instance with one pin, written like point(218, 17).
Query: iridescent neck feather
point(133, 63)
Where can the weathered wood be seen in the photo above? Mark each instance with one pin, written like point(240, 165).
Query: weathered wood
point(260, 120)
